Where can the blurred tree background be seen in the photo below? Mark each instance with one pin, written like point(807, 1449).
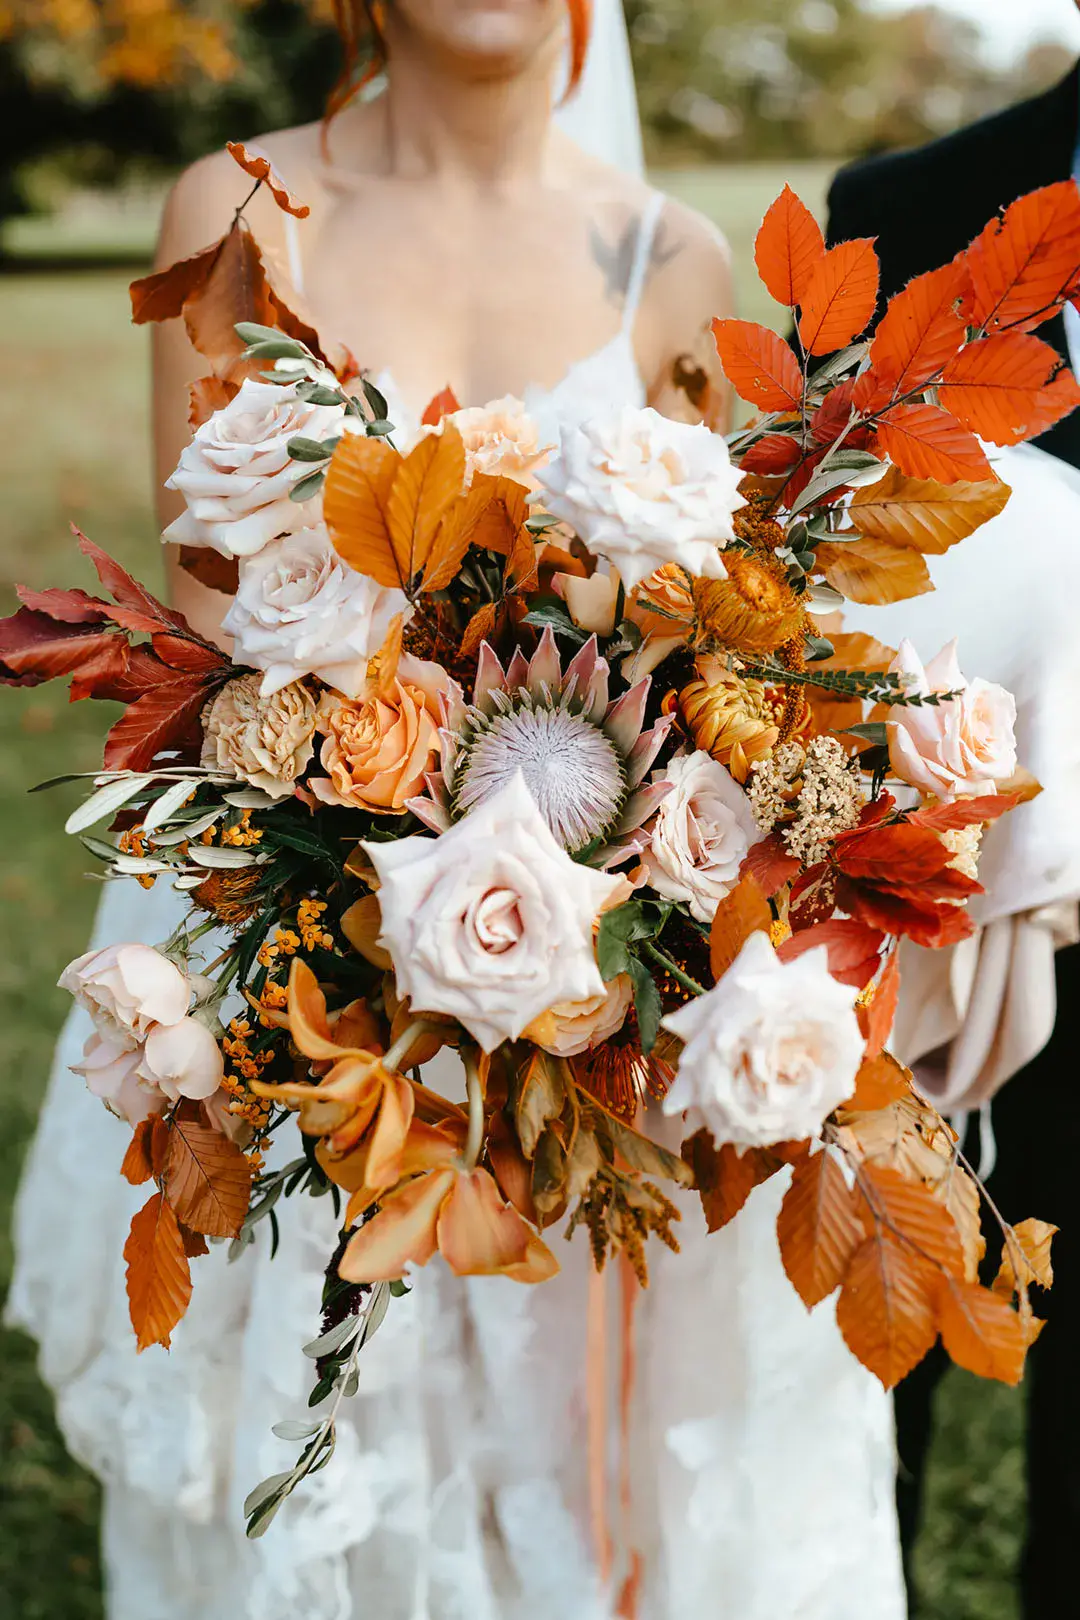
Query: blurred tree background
point(96, 91)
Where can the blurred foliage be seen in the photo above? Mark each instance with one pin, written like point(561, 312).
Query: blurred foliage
point(99, 87)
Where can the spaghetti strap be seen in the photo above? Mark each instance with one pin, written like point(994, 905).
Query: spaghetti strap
point(293, 251)
point(650, 219)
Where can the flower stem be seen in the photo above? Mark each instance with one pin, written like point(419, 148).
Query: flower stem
point(676, 972)
point(408, 1037)
point(475, 1089)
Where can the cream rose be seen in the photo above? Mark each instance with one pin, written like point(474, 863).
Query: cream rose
point(501, 439)
point(127, 989)
point(376, 751)
point(182, 1060)
point(579, 1026)
point(266, 741)
point(957, 749)
point(769, 1053)
point(643, 491)
point(492, 922)
point(111, 1071)
point(236, 474)
point(702, 832)
point(300, 610)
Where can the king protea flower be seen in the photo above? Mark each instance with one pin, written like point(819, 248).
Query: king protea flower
point(584, 757)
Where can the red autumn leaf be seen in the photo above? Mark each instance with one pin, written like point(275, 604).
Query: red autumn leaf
point(854, 949)
point(189, 657)
point(66, 607)
point(840, 296)
point(788, 249)
point(899, 853)
point(1009, 388)
point(34, 647)
point(162, 296)
point(877, 1017)
point(813, 897)
point(833, 415)
point(164, 718)
point(760, 366)
point(774, 454)
point(818, 1227)
point(725, 1178)
point(1026, 264)
point(933, 924)
point(921, 330)
point(262, 170)
point(964, 812)
point(770, 865)
point(206, 396)
point(444, 404)
point(926, 442)
point(98, 677)
point(137, 609)
point(158, 1274)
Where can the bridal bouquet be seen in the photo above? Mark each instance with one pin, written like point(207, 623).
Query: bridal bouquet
point(539, 798)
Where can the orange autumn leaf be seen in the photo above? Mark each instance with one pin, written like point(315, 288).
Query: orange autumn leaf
point(903, 1208)
point(880, 1082)
point(853, 949)
point(788, 249)
point(921, 513)
point(444, 404)
point(490, 516)
point(429, 480)
point(162, 296)
point(980, 1331)
point(760, 366)
point(877, 1017)
point(146, 1151)
point(206, 396)
point(356, 500)
point(921, 330)
point(724, 1178)
point(926, 442)
point(743, 912)
point(478, 629)
point(840, 296)
point(158, 1274)
point(1009, 388)
point(865, 569)
point(886, 1310)
point(1028, 1261)
point(262, 170)
point(1026, 263)
point(818, 1227)
point(207, 1178)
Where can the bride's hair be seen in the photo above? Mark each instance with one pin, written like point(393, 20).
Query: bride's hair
point(359, 22)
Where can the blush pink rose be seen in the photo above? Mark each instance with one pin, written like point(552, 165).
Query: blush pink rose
point(955, 749)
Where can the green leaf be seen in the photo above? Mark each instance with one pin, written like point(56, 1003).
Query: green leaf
point(873, 731)
point(380, 410)
point(318, 394)
point(251, 332)
point(306, 488)
point(276, 348)
point(637, 920)
point(647, 1004)
point(553, 614)
point(380, 429)
point(817, 648)
point(302, 449)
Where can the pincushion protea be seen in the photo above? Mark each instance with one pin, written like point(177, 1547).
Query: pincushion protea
point(583, 755)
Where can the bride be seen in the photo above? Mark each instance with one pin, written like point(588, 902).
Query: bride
point(457, 234)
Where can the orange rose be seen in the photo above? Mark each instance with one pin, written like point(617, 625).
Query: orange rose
point(376, 749)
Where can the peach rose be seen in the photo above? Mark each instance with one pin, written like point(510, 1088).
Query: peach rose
point(501, 439)
point(957, 749)
point(377, 750)
point(571, 1027)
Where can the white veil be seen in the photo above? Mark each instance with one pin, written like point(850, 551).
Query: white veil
point(602, 114)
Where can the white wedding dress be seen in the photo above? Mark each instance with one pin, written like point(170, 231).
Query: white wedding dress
point(761, 1452)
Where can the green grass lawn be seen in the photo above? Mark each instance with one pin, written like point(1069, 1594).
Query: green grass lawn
point(74, 447)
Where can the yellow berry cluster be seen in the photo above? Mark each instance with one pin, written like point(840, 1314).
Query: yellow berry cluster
point(135, 843)
point(285, 943)
point(245, 1065)
point(274, 998)
point(240, 836)
point(308, 921)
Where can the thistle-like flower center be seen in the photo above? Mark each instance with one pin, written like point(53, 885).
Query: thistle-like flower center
point(572, 770)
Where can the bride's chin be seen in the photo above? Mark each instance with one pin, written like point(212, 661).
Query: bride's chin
point(491, 39)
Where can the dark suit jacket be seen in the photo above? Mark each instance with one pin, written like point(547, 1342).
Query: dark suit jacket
point(925, 206)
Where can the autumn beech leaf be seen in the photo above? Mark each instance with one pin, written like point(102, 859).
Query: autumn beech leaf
point(356, 506)
point(725, 1178)
point(65, 607)
point(162, 296)
point(886, 1311)
point(854, 950)
point(865, 569)
point(428, 482)
point(164, 718)
point(207, 1178)
point(136, 608)
point(840, 296)
point(921, 330)
point(479, 628)
point(907, 1209)
point(770, 865)
point(34, 647)
point(957, 813)
point(206, 396)
point(788, 249)
point(877, 1016)
point(760, 366)
point(1027, 1259)
point(261, 169)
point(445, 403)
point(771, 455)
point(880, 1082)
point(741, 913)
point(926, 442)
point(819, 1228)
point(137, 1166)
point(980, 1330)
point(1008, 388)
point(158, 1274)
point(921, 513)
point(1025, 264)
point(833, 417)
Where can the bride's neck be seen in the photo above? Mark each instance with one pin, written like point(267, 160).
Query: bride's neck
point(484, 131)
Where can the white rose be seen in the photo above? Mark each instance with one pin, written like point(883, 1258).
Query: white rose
point(300, 610)
point(956, 749)
point(236, 473)
point(182, 1060)
point(643, 491)
point(127, 989)
point(770, 1052)
point(702, 832)
point(492, 922)
point(111, 1071)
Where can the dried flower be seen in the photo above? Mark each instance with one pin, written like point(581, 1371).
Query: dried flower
point(264, 740)
point(729, 716)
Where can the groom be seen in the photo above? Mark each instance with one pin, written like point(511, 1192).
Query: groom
point(924, 207)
